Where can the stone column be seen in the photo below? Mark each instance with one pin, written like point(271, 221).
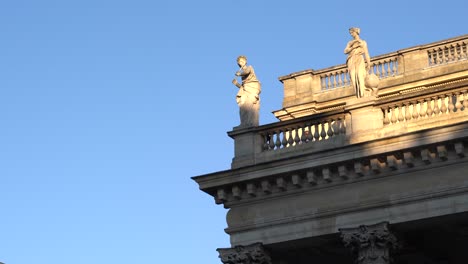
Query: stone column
point(251, 254)
point(373, 244)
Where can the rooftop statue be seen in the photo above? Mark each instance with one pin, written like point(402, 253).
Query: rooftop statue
point(248, 96)
point(359, 67)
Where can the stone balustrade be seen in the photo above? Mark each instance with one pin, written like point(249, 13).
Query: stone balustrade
point(439, 105)
point(382, 66)
point(448, 52)
point(420, 88)
point(281, 136)
point(321, 88)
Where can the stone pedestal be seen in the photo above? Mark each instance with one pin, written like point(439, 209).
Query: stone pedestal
point(247, 144)
point(251, 254)
point(364, 116)
point(372, 244)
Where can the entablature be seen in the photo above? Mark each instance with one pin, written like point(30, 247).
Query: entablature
point(338, 167)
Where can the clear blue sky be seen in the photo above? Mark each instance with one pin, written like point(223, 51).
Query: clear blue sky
point(107, 108)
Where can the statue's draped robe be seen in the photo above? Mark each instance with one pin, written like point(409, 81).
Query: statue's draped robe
point(248, 98)
point(357, 68)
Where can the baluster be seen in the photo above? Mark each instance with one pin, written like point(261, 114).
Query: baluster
point(443, 107)
point(463, 50)
point(284, 142)
point(330, 130)
point(316, 133)
point(278, 138)
point(440, 56)
point(407, 112)
point(394, 116)
point(343, 126)
point(380, 69)
point(375, 68)
point(429, 56)
point(265, 140)
point(271, 144)
point(400, 113)
point(324, 82)
point(446, 54)
point(452, 53)
point(323, 134)
point(457, 51)
point(436, 109)
point(422, 112)
point(340, 77)
point(435, 57)
point(330, 82)
point(387, 65)
point(415, 110)
point(394, 67)
point(451, 106)
point(386, 120)
point(458, 105)
point(304, 133)
point(290, 137)
point(429, 110)
point(460, 46)
point(309, 134)
point(297, 139)
point(344, 78)
point(465, 101)
point(334, 80)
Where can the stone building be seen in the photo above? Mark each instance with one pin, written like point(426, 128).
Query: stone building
point(378, 179)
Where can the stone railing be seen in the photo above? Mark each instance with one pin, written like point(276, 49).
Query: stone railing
point(382, 66)
point(446, 53)
point(331, 85)
point(303, 131)
point(437, 105)
point(424, 87)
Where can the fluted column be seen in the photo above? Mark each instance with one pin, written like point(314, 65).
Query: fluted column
point(250, 254)
point(373, 244)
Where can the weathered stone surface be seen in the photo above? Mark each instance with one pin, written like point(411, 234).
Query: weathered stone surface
point(250, 254)
point(336, 162)
point(372, 244)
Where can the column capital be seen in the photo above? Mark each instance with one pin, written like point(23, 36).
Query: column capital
point(373, 244)
point(250, 254)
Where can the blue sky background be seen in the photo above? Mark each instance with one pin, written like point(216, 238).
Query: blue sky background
point(107, 108)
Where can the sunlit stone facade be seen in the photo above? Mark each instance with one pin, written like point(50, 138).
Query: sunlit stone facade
point(377, 179)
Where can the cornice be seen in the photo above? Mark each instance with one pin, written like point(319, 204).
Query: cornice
point(336, 167)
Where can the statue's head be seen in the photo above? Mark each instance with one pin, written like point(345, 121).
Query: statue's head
point(241, 60)
point(354, 29)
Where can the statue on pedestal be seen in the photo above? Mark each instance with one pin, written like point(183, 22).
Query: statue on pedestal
point(248, 96)
point(359, 67)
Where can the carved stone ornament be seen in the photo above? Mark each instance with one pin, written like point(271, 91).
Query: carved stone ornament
point(373, 244)
point(251, 254)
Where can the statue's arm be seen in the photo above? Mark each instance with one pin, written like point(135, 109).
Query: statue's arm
point(349, 47)
point(246, 71)
point(366, 54)
point(236, 83)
